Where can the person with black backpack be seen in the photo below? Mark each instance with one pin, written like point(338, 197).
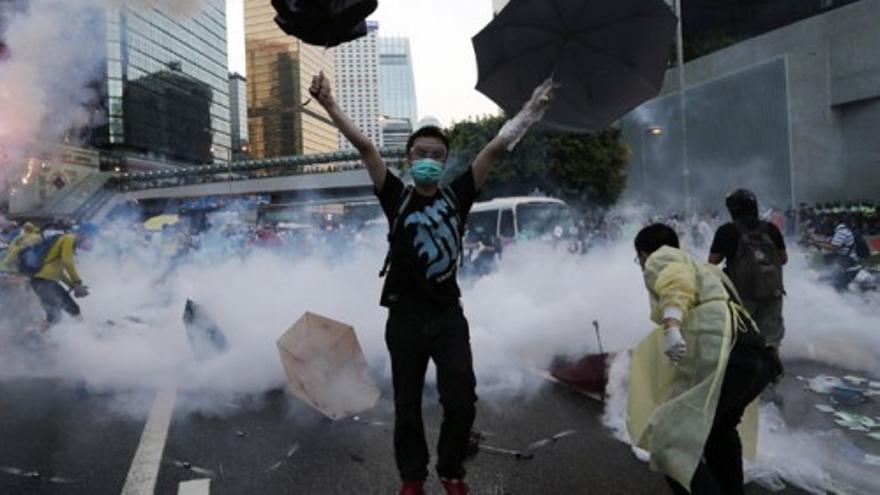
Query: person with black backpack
point(754, 253)
point(425, 318)
point(51, 264)
point(845, 250)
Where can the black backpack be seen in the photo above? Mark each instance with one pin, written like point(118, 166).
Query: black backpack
point(861, 247)
point(756, 270)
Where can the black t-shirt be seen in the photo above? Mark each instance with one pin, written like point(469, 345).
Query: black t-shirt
point(727, 238)
point(427, 243)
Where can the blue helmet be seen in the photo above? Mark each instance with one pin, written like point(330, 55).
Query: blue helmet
point(87, 230)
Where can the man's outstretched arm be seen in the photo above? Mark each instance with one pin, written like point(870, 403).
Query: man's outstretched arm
point(512, 131)
point(320, 90)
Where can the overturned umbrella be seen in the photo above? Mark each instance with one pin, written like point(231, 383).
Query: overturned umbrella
point(325, 366)
point(205, 337)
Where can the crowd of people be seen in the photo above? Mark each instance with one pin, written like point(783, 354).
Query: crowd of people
point(842, 236)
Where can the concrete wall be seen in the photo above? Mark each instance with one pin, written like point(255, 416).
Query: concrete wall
point(833, 97)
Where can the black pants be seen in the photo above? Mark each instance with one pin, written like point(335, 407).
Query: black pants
point(749, 370)
point(842, 270)
point(54, 299)
point(413, 337)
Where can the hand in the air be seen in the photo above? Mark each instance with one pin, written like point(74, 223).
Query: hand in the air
point(320, 90)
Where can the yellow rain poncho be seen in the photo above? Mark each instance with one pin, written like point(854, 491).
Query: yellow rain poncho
point(672, 407)
point(58, 265)
point(29, 236)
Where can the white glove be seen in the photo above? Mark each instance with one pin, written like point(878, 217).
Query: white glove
point(674, 345)
point(532, 112)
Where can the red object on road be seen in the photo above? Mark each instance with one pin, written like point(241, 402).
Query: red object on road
point(589, 374)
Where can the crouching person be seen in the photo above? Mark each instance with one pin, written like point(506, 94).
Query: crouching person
point(694, 377)
point(57, 268)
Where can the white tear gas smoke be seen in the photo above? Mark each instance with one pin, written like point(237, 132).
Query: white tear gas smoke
point(48, 83)
point(539, 304)
point(55, 56)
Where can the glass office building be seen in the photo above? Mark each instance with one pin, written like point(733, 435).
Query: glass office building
point(238, 112)
point(397, 89)
point(279, 73)
point(166, 87)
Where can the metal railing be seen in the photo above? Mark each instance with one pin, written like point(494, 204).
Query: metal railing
point(248, 169)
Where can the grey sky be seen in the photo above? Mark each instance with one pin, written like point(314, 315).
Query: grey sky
point(440, 33)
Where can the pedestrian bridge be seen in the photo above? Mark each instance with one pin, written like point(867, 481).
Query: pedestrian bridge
point(339, 175)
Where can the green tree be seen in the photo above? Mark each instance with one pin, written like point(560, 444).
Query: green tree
point(584, 170)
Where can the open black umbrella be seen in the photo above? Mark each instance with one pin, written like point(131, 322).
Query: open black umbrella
point(608, 55)
point(324, 22)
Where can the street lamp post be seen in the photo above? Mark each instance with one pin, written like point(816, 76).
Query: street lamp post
point(653, 131)
point(679, 52)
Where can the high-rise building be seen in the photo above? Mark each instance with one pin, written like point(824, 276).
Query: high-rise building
point(238, 113)
point(281, 119)
point(397, 91)
point(497, 5)
point(395, 132)
point(166, 85)
point(357, 84)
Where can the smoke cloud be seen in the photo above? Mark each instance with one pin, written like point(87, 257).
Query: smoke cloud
point(56, 51)
point(539, 304)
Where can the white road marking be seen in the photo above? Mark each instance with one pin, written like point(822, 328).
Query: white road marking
point(144, 471)
point(195, 487)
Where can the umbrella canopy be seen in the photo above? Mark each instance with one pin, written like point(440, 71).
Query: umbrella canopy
point(608, 56)
point(324, 22)
point(205, 337)
point(159, 221)
point(325, 366)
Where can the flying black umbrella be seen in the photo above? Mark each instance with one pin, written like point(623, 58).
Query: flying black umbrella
point(608, 57)
point(324, 22)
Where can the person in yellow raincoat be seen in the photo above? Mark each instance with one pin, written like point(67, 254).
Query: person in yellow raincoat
point(58, 267)
point(29, 236)
point(694, 376)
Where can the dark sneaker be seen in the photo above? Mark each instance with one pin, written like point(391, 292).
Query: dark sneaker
point(412, 488)
point(455, 487)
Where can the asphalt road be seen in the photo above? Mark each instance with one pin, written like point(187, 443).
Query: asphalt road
point(274, 444)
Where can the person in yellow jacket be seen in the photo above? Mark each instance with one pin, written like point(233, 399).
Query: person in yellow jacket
point(29, 236)
point(693, 378)
point(58, 267)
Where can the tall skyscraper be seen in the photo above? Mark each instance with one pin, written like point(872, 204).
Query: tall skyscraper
point(280, 70)
point(166, 85)
point(238, 113)
point(497, 5)
point(397, 92)
point(357, 84)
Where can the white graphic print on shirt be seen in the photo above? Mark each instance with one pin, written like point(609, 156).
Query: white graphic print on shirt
point(438, 236)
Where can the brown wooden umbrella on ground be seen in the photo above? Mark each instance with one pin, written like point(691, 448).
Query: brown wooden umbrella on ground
point(325, 366)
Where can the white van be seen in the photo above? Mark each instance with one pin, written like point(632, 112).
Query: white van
point(523, 218)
